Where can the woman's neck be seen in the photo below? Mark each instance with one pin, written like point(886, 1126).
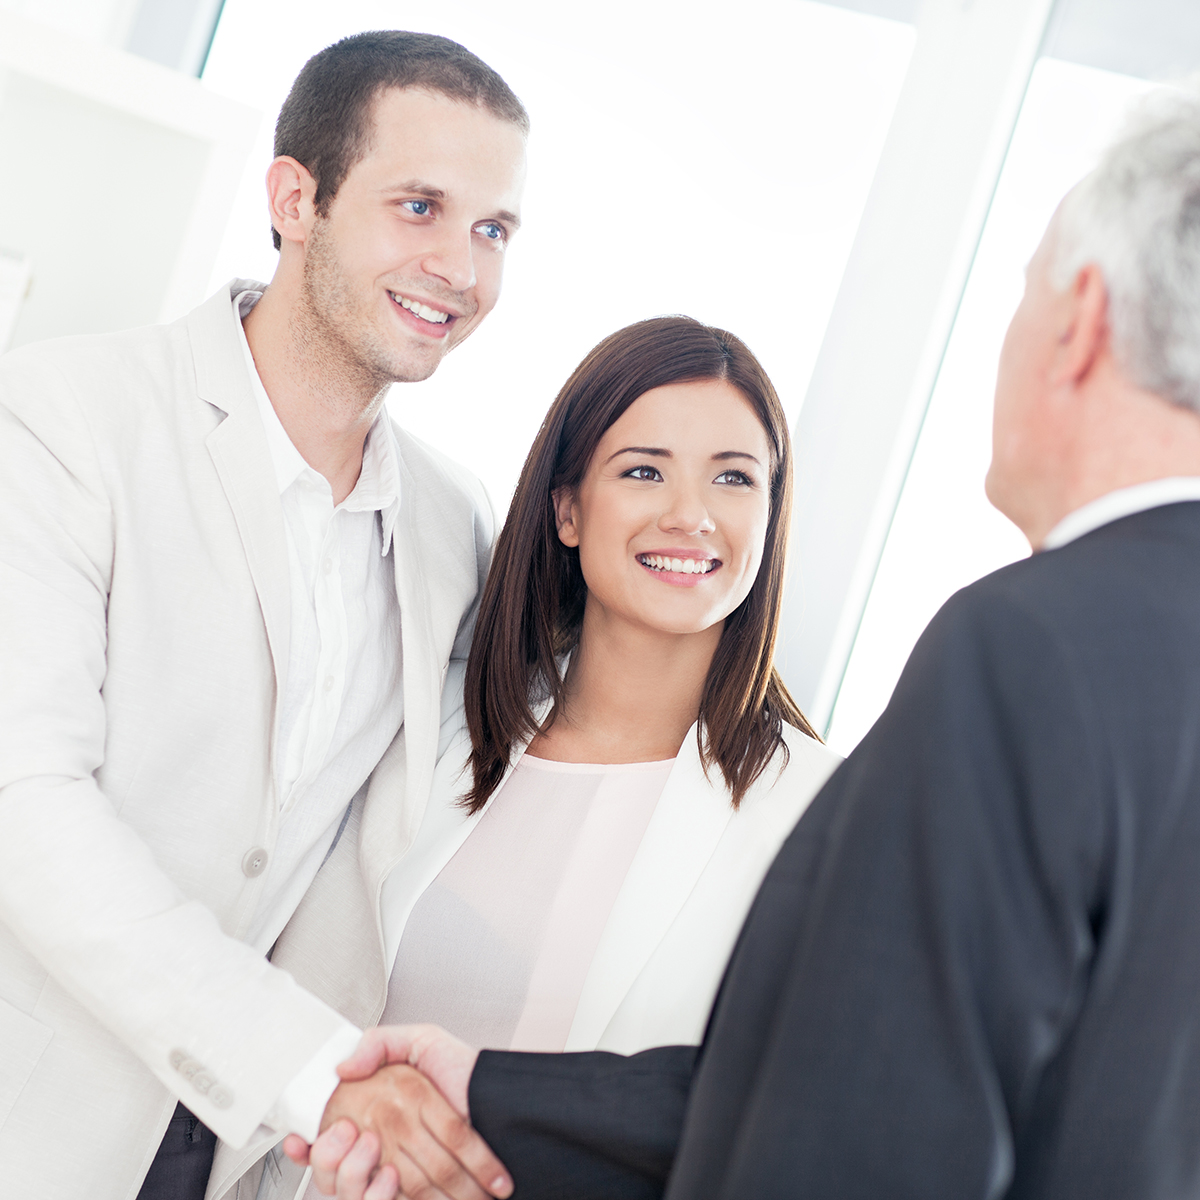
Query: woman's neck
point(631, 694)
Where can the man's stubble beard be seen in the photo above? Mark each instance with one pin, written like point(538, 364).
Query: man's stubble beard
point(339, 340)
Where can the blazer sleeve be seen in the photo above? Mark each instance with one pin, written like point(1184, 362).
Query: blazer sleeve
point(79, 889)
point(592, 1126)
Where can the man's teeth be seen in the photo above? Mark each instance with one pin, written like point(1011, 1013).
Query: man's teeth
point(689, 566)
point(422, 310)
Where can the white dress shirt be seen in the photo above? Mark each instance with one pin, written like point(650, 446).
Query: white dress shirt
point(342, 701)
point(1124, 502)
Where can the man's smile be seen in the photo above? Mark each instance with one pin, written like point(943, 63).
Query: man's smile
point(435, 320)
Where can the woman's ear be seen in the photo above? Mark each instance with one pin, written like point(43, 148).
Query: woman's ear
point(564, 515)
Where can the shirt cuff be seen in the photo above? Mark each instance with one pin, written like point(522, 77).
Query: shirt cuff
point(302, 1103)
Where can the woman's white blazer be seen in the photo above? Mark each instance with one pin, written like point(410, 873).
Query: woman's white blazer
point(670, 933)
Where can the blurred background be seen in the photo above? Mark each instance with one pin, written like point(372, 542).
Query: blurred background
point(853, 188)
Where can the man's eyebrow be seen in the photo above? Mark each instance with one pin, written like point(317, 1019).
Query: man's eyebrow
point(416, 187)
point(649, 451)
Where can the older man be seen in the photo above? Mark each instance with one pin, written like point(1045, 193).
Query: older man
point(974, 969)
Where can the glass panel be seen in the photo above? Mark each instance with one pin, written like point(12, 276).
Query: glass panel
point(945, 535)
point(684, 158)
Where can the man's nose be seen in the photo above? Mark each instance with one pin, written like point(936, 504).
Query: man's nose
point(452, 259)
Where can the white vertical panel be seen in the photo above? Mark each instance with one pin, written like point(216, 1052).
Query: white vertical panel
point(893, 316)
point(14, 284)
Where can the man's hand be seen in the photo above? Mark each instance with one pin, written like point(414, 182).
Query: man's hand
point(419, 1131)
point(438, 1055)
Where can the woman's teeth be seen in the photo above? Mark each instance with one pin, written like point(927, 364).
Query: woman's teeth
point(422, 310)
point(688, 566)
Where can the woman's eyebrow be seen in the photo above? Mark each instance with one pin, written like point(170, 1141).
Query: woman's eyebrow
point(728, 454)
point(650, 451)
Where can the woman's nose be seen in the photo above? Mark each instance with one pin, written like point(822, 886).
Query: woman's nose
point(687, 514)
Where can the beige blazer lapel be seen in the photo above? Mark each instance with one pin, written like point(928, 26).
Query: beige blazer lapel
point(683, 834)
point(239, 451)
point(400, 784)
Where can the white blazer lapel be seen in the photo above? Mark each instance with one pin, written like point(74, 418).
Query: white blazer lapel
point(242, 459)
point(434, 585)
point(443, 830)
point(687, 825)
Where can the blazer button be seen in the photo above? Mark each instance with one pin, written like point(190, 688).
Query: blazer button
point(255, 862)
point(220, 1097)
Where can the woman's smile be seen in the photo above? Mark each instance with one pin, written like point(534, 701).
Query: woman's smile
point(679, 568)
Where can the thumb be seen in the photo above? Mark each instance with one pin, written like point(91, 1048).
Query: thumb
point(296, 1148)
point(379, 1046)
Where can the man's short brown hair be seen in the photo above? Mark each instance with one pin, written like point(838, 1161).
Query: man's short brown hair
point(325, 123)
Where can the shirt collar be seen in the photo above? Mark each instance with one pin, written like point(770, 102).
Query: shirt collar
point(1124, 502)
point(378, 486)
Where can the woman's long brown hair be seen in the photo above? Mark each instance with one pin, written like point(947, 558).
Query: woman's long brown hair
point(531, 610)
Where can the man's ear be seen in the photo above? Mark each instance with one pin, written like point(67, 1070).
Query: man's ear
point(564, 516)
point(1086, 337)
point(291, 195)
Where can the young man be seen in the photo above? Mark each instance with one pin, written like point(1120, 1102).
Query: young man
point(230, 593)
point(973, 970)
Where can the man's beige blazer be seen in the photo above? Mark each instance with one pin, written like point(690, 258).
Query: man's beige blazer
point(144, 608)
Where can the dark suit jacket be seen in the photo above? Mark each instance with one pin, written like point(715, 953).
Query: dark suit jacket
point(974, 968)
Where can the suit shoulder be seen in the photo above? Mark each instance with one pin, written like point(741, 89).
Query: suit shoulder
point(431, 468)
point(95, 372)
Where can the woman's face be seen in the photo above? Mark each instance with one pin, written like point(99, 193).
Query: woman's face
point(671, 517)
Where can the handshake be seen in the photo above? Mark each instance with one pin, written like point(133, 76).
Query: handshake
point(398, 1123)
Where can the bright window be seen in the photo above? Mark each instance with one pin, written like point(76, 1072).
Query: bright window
point(945, 534)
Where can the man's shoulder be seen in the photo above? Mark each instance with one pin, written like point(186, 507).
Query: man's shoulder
point(438, 476)
point(1114, 611)
point(1133, 561)
point(114, 373)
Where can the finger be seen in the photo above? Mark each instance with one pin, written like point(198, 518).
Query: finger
point(383, 1044)
point(328, 1151)
point(414, 1183)
point(354, 1174)
point(385, 1185)
point(296, 1148)
point(431, 1170)
point(465, 1148)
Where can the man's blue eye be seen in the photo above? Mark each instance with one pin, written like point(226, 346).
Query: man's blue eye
point(419, 208)
point(492, 231)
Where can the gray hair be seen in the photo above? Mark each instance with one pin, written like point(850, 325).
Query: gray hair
point(1137, 217)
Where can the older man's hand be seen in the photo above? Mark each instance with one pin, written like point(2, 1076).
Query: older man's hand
point(388, 1129)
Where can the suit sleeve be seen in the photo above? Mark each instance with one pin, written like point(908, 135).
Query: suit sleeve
point(79, 889)
point(593, 1126)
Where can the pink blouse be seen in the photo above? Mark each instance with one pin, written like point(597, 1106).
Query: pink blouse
point(497, 949)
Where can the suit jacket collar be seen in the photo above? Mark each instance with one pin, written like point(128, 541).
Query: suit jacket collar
point(242, 459)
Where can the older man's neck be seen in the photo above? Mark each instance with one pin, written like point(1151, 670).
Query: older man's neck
point(1127, 436)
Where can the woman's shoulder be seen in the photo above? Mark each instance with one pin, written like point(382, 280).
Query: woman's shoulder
point(807, 750)
point(798, 771)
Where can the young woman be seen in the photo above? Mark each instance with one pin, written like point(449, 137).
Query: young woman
point(630, 760)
